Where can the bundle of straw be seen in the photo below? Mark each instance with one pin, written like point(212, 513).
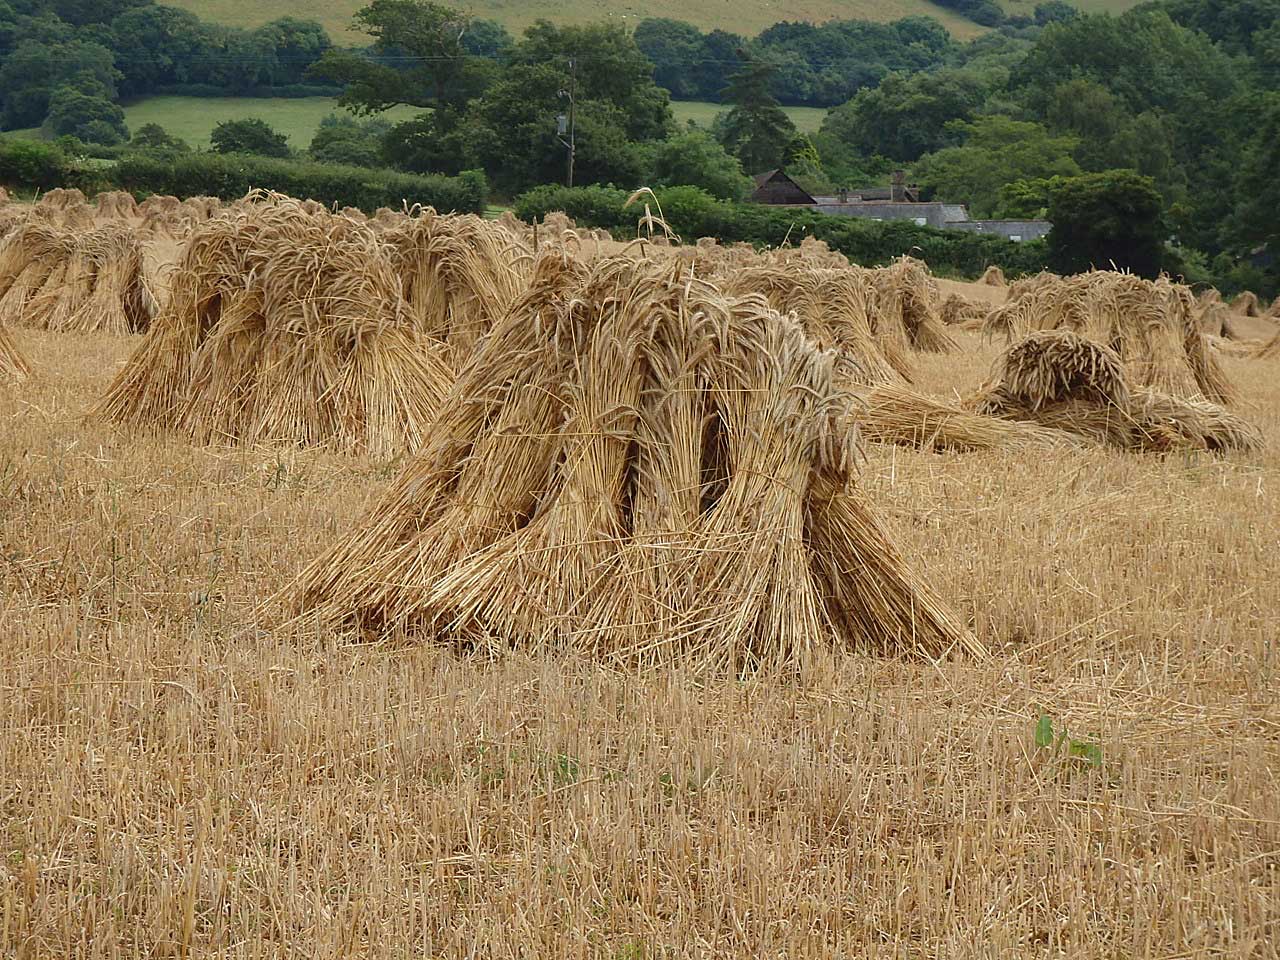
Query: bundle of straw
point(1151, 326)
point(1067, 382)
point(12, 365)
point(637, 467)
point(120, 300)
point(908, 302)
point(30, 256)
point(284, 326)
point(62, 199)
point(836, 308)
point(1020, 288)
point(1246, 305)
point(895, 414)
point(993, 276)
point(458, 275)
point(116, 203)
point(963, 312)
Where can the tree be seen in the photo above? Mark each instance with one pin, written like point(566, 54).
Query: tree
point(346, 140)
point(172, 39)
point(755, 130)
point(1257, 187)
point(906, 116)
point(695, 158)
point(249, 136)
point(1100, 219)
point(93, 119)
point(297, 45)
point(153, 138)
point(996, 151)
point(418, 58)
point(34, 70)
point(674, 47)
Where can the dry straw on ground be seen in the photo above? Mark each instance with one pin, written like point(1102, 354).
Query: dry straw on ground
point(891, 413)
point(182, 776)
point(636, 468)
point(1064, 381)
point(284, 325)
point(993, 276)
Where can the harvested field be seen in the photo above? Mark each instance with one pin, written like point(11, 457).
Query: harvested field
point(191, 770)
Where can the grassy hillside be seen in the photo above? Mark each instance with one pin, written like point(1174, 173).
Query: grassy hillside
point(748, 17)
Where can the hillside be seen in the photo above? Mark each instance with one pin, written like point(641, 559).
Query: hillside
point(748, 17)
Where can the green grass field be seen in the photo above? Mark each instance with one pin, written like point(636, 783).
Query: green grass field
point(748, 17)
point(193, 118)
point(806, 119)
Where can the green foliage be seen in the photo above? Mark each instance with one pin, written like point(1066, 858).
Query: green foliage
point(821, 64)
point(152, 137)
point(695, 158)
point(93, 119)
point(34, 69)
point(418, 57)
point(986, 12)
point(232, 176)
point(996, 151)
point(1062, 745)
point(249, 136)
point(346, 140)
point(907, 116)
point(755, 129)
point(29, 163)
point(1101, 219)
point(692, 213)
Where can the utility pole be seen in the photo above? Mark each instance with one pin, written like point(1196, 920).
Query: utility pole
point(569, 125)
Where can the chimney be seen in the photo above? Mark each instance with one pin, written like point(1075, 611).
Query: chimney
point(898, 186)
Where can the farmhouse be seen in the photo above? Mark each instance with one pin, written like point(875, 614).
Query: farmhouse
point(898, 201)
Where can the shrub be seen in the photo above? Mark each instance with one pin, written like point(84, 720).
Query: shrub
point(693, 213)
point(230, 176)
point(28, 163)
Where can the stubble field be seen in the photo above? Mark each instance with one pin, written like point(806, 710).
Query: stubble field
point(183, 772)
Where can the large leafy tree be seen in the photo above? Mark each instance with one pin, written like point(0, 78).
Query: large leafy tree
point(249, 136)
point(93, 119)
point(418, 58)
point(1101, 219)
point(511, 131)
point(694, 158)
point(756, 130)
point(906, 116)
point(34, 70)
point(996, 151)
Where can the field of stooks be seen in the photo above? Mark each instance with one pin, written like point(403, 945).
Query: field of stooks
point(420, 585)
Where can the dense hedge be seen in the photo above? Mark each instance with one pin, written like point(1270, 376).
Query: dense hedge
point(692, 213)
point(233, 175)
point(31, 164)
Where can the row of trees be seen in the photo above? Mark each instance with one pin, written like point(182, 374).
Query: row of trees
point(68, 63)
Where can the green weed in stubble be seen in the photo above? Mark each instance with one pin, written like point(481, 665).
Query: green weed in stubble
point(1062, 746)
